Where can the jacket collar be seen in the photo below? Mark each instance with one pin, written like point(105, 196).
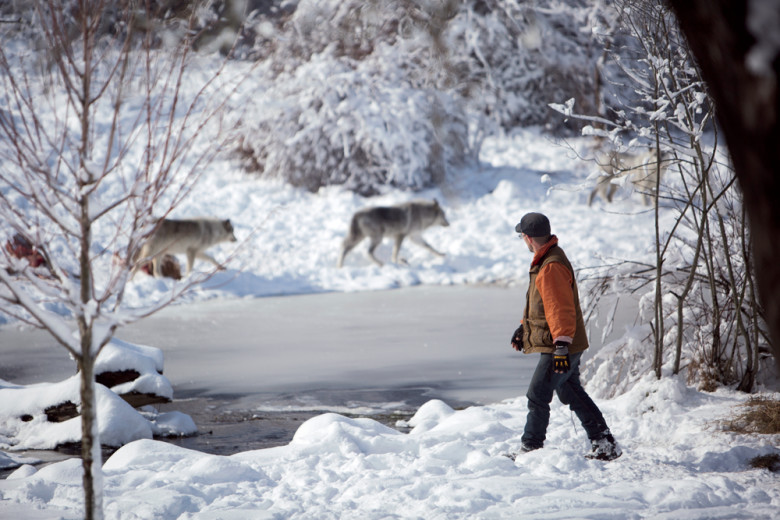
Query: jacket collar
point(539, 255)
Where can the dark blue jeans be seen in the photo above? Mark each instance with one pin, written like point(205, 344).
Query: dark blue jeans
point(569, 389)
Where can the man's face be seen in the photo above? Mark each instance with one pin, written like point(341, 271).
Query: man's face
point(528, 242)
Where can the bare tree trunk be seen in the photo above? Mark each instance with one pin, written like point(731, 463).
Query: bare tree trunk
point(658, 359)
point(738, 292)
point(659, 256)
point(681, 298)
point(90, 439)
point(748, 109)
point(752, 301)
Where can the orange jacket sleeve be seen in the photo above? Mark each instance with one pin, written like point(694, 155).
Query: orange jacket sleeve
point(555, 282)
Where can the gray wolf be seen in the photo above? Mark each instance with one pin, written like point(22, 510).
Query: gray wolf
point(408, 219)
point(191, 237)
point(639, 169)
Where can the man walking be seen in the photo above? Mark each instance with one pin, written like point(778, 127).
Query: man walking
point(553, 326)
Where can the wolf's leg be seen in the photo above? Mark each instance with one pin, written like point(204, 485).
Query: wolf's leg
point(205, 256)
point(611, 191)
point(649, 189)
point(190, 260)
point(648, 197)
point(419, 240)
point(642, 182)
point(603, 186)
point(139, 259)
point(157, 265)
point(592, 195)
point(346, 246)
point(375, 241)
point(354, 236)
point(397, 248)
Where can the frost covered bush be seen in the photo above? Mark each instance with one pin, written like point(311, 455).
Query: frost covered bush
point(369, 94)
point(707, 319)
point(521, 56)
point(465, 68)
point(209, 24)
point(350, 28)
point(698, 292)
point(343, 108)
point(329, 123)
point(507, 58)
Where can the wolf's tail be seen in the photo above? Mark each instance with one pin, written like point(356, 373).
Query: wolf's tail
point(355, 233)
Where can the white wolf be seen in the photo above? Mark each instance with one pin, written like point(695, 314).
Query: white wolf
point(191, 237)
point(638, 168)
point(408, 219)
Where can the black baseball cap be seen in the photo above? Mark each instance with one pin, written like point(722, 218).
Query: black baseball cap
point(534, 225)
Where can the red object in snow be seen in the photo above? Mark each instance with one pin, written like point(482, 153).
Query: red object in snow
point(20, 247)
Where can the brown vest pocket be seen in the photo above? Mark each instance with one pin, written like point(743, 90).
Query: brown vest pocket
point(539, 333)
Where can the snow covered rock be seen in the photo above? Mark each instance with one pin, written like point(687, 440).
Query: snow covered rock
point(134, 372)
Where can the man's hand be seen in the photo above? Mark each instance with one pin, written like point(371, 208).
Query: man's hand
point(517, 338)
point(561, 357)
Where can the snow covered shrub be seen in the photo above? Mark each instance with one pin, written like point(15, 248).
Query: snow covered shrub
point(337, 122)
point(209, 24)
point(519, 57)
point(343, 107)
point(619, 365)
point(707, 318)
point(350, 28)
point(299, 32)
point(395, 93)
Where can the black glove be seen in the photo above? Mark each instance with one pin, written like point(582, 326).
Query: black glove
point(561, 357)
point(517, 338)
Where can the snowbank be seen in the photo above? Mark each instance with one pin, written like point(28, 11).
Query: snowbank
point(24, 421)
point(450, 465)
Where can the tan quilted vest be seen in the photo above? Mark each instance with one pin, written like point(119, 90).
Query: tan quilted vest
point(536, 331)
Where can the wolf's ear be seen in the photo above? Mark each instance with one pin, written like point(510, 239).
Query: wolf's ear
point(435, 202)
point(228, 226)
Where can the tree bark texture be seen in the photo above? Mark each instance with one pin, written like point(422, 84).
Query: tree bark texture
point(90, 440)
point(747, 105)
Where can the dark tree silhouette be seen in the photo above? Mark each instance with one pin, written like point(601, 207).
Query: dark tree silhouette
point(742, 70)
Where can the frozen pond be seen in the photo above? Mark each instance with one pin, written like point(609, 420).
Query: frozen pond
point(249, 371)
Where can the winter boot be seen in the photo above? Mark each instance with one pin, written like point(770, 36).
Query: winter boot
point(605, 448)
point(523, 449)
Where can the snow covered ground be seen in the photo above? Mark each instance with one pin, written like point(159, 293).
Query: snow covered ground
point(677, 462)
point(290, 239)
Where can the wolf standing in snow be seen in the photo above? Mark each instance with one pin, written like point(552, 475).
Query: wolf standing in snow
point(638, 168)
point(408, 219)
point(191, 237)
